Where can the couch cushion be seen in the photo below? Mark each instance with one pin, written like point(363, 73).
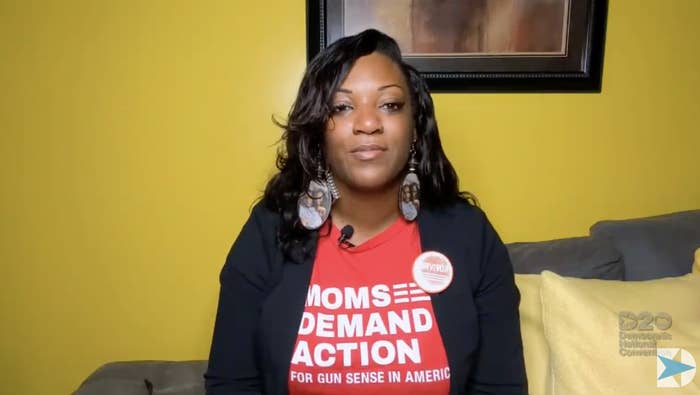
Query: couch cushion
point(129, 378)
point(654, 247)
point(585, 257)
point(605, 337)
point(535, 348)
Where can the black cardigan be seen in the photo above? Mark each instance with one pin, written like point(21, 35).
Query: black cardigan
point(262, 299)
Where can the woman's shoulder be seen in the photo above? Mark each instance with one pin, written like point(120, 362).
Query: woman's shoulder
point(252, 253)
point(261, 225)
point(264, 215)
point(458, 219)
point(461, 211)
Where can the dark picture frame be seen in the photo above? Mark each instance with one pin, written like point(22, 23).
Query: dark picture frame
point(575, 66)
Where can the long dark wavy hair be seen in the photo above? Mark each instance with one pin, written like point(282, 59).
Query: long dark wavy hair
point(303, 136)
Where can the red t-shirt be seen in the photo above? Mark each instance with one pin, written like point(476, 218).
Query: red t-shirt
point(367, 327)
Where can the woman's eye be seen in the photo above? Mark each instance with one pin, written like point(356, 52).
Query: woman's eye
point(338, 108)
point(393, 106)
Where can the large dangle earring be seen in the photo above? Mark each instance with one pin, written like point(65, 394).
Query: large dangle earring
point(314, 204)
point(409, 192)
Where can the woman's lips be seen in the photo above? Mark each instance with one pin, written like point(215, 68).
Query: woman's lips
point(368, 151)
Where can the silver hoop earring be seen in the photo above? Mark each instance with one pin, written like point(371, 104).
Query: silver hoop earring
point(314, 204)
point(409, 192)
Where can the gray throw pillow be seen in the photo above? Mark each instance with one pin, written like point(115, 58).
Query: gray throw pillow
point(654, 247)
point(583, 257)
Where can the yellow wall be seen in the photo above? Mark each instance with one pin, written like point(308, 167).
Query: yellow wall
point(135, 134)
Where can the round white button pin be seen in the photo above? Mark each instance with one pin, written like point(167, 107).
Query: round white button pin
point(432, 271)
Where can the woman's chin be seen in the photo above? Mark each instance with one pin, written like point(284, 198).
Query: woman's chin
point(373, 185)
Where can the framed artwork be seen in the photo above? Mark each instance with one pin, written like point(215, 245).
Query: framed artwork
point(479, 45)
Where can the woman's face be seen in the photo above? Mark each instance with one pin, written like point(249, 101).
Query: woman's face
point(369, 134)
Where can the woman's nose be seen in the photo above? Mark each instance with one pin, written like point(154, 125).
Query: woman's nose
point(367, 121)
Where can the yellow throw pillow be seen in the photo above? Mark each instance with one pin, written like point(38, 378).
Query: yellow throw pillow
point(535, 349)
point(605, 337)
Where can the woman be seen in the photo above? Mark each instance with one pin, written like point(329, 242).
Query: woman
point(367, 294)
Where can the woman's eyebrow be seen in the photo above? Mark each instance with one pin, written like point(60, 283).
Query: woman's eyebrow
point(381, 88)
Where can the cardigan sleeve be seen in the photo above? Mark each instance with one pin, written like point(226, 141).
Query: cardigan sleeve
point(499, 367)
point(233, 368)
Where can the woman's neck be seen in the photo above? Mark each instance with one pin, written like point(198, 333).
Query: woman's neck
point(369, 213)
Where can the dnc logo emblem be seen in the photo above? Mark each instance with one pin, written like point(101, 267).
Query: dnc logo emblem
point(675, 367)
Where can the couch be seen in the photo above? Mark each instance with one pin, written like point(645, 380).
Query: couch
point(569, 288)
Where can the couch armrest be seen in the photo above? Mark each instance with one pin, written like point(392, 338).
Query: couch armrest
point(145, 378)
